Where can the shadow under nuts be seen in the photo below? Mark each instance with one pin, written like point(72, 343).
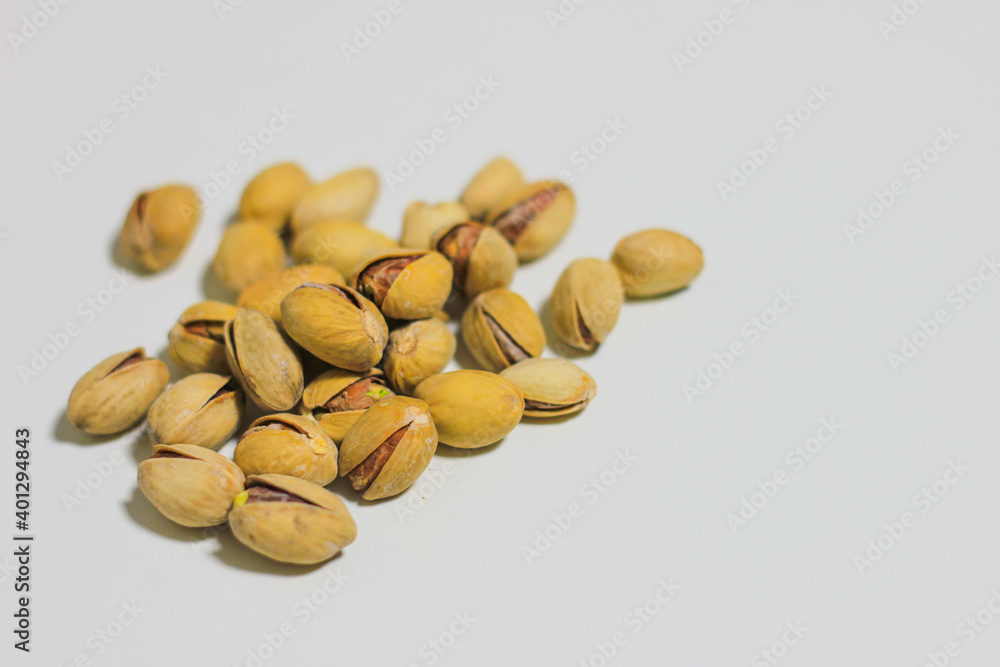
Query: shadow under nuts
point(190, 485)
point(501, 329)
point(248, 252)
point(488, 187)
point(263, 361)
point(480, 256)
point(272, 194)
point(471, 408)
point(535, 218)
point(288, 445)
point(159, 226)
point(337, 398)
point(417, 351)
point(203, 409)
point(656, 261)
point(405, 284)
point(266, 294)
point(196, 341)
point(116, 393)
point(551, 387)
point(585, 303)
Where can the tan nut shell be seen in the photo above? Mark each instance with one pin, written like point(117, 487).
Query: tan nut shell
point(511, 313)
point(159, 226)
point(288, 445)
point(547, 207)
point(589, 290)
point(346, 196)
point(266, 294)
point(417, 351)
point(410, 457)
point(345, 331)
point(419, 291)
point(195, 490)
point(196, 340)
point(421, 220)
point(263, 360)
point(340, 244)
point(656, 261)
point(491, 263)
point(493, 182)
point(106, 400)
point(248, 252)
point(271, 195)
point(293, 532)
point(551, 387)
point(322, 389)
point(190, 413)
point(471, 408)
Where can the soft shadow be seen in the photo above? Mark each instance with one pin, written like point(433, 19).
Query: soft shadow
point(464, 358)
point(142, 446)
point(232, 553)
point(450, 452)
point(119, 257)
point(64, 431)
point(214, 289)
point(654, 297)
point(554, 342)
point(176, 372)
point(455, 306)
point(143, 513)
point(549, 420)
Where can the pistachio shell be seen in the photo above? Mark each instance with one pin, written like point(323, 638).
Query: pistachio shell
point(585, 303)
point(116, 393)
point(480, 256)
point(266, 294)
point(288, 445)
point(338, 397)
point(421, 220)
point(551, 387)
point(271, 195)
point(340, 244)
point(501, 329)
point(534, 218)
point(190, 485)
point(405, 284)
point(417, 351)
point(493, 182)
point(346, 196)
point(159, 226)
point(248, 252)
point(203, 409)
point(263, 360)
point(196, 341)
point(656, 261)
point(471, 408)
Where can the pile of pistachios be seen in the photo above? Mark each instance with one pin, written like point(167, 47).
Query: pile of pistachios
point(339, 335)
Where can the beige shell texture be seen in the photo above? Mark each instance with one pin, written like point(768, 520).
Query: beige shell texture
point(346, 196)
point(585, 303)
point(196, 341)
point(289, 445)
point(190, 485)
point(263, 360)
point(490, 185)
point(342, 244)
point(500, 329)
point(471, 408)
point(248, 252)
point(159, 226)
point(417, 351)
point(271, 195)
point(420, 290)
point(266, 294)
point(656, 261)
point(421, 220)
point(325, 387)
point(551, 387)
point(203, 409)
point(534, 218)
point(490, 263)
point(116, 393)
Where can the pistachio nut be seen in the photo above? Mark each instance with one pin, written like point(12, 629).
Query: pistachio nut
point(656, 261)
point(346, 196)
point(248, 251)
point(271, 195)
point(159, 226)
point(501, 329)
point(480, 256)
point(534, 218)
point(263, 360)
point(471, 408)
point(266, 294)
point(190, 485)
point(336, 324)
point(388, 447)
point(585, 303)
point(417, 351)
point(116, 393)
point(421, 220)
point(291, 520)
point(337, 398)
point(340, 244)
point(288, 445)
point(203, 409)
point(551, 387)
point(196, 341)
point(405, 284)
point(487, 188)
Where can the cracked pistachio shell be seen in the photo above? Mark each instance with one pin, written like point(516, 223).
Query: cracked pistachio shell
point(287, 445)
point(501, 329)
point(159, 226)
point(346, 196)
point(551, 387)
point(196, 341)
point(417, 351)
point(291, 520)
point(471, 408)
point(421, 220)
point(495, 181)
point(263, 360)
point(340, 244)
point(656, 261)
point(272, 194)
point(266, 294)
point(248, 251)
point(203, 409)
point(389, 447)
point(190, 485)
point(534, 218)
point(480, 256)
point(585, 303)
point(116, 393)
point(405, 284)
point(336, 324)
point(337, 398)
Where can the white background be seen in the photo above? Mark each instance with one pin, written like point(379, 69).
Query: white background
point(206, 601)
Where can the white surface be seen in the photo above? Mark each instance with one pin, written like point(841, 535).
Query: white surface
point(666, 517)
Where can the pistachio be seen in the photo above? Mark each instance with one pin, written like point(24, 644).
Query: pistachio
point(288, 445)
point(405, 284)
point(421, 220)
point(501, 329)
point(291, 520)
point(471, 408)
point(656, 261)
point(340, 244)
point(336, 324)
point(585, 303)
point(266, 294)
point(534, 218)
point(263, 361)
point(487, 188)
point(551, 387)
point(346, 196)
point(116, 393)
point(196, 341)
point(271, 195)
point(480, 256)
point(248, 252)
point(337, 398)
point(159, 226)
point(388, 447)
point(203, 409)
point(190, 485)
point(417, 351)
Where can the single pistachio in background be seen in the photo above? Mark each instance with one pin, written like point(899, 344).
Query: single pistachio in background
point(585, 303)
point(289, 445)
point(196, 341)
point(551, 387)
point(116, 393)
point(190, 485)
point(490, 186)
point(248, 252)
point(534, 218)
point(405, 284)
point(266, 294)
point(338, 397)
point(421, 220)
point(271, 195)
point(341, 244)
point(203, 409)
point(471, 408)
point(416, 351)
point(263, 360)
point(480, 256)
point(159, 226)
point(346, 196)
point(656, 261)
point(501, 329)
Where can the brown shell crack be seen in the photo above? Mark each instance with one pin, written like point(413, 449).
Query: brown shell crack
point(260, 493)
point(541, 406)
point(364, 475)
point(169, 455)
point(376, 278)
point(512, 222)
point(130, 360)
point(337, 290)
point(457, 245)
point(228, 388)
point(355, 396)
point(277, 425)
point(585, 333)
point(212, 329)
point(510, 348)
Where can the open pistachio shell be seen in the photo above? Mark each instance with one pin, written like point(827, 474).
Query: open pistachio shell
point(342, 244)
point(159, 226)
point(190, 485)
point(116, 393)
point(501, 329)
point(585, 303)
point(346, 196)
point(405, 284)
point(471, 408)
point(338, 397)
point(480, 256)
point(203, 409)
point(288, 445)
point(551, 387)
point(263, 360)
point(196, 341)
point(535, 217)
